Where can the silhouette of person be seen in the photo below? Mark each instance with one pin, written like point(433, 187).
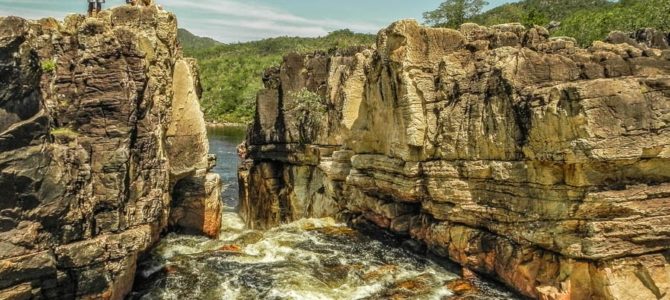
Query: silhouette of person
point(94, 7)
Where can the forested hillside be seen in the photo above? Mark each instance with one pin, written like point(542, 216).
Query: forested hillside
point(189, 40)
point(536, 12)
point(585, 20)
point(231, 73)
point(628, 15)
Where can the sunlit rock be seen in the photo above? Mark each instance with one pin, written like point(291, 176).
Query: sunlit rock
point(514, 154)
point(98, 122)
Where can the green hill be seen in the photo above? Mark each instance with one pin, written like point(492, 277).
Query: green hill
point(585, 20)
point(626, 15)
point(536, 12)
point(231, 73)
point(189, 40)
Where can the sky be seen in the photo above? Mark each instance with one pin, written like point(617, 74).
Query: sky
point(246, 20)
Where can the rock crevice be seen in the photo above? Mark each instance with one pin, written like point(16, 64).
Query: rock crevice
point(512, 153)
point(99, 122)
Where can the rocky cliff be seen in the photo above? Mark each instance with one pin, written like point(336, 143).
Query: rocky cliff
point(103, 147)
point(514, 154)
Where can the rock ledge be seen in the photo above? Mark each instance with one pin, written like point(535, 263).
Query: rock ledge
point(512, 153)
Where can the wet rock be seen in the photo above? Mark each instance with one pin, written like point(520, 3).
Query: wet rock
point(401, 224)
point(197, 205)
point(170, 269)
point(461, 287)
point(333, 273)
point(249, 238)
point(379, 273)
point(272, 200)
point(514, 154)
point(337, 231)
point(86, 178)
point(414, 246)
point(230, 248)
point(409, 288)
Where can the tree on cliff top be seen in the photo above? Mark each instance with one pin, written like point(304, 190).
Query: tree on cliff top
point(627, 15)
point(527, 12)
point(453, 13)
point(585, 20)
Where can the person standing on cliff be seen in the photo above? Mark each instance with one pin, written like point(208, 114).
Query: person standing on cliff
point(94, 7)
point(131, 2)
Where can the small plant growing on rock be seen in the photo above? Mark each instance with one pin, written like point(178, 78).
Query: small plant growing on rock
point(307, 113)
point(64, 133)
point(48, 66)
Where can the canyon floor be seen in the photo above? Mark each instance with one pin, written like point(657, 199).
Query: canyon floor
point(307, 259)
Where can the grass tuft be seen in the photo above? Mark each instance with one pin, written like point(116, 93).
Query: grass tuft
point(64, 132)
point(48, 66)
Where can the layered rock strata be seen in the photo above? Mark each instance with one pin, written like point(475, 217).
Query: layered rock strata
point(99, 122)
point(514, 154)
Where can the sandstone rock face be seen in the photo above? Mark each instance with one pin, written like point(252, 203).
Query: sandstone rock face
point(99, 120)
point(197, 205)
point(512, 153)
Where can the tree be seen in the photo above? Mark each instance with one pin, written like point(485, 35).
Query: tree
point(453, 13)
point(591, 25)
point(534, 17)
point(556, 10)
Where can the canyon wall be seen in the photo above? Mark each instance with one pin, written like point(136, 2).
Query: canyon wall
point(102, 148)
point(514, 154)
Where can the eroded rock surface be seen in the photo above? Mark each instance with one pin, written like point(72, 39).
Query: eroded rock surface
point(515, 154)
point(99, 120)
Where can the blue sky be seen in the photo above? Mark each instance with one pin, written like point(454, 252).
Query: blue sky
point(245, 20)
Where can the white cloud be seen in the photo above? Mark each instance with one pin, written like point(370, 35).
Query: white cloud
point(267, 28)
point(237, 21)
point(32, 13)
point(224, 20)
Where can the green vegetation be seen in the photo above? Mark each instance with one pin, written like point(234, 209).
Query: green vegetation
point(308, 111)
point(232, 73)
point(536, 12)
point(189, 40)
point(64, 132)
point(48, 66)
point(453, 13)
point(585, 20)
point(628, 15)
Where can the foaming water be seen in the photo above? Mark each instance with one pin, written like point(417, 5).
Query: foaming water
point(308, 259)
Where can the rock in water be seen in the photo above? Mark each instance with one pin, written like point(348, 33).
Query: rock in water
point(514, 154)
point(99, 120)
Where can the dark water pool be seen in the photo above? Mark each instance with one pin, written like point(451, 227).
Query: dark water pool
point(223, 142)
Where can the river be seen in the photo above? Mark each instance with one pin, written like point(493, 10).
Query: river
point(308, 259)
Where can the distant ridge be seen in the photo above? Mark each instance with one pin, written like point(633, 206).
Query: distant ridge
point(231, 73)
point(192, 41)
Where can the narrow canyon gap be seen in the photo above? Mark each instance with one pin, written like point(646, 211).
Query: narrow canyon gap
point(521, 157)
point(103, 148)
